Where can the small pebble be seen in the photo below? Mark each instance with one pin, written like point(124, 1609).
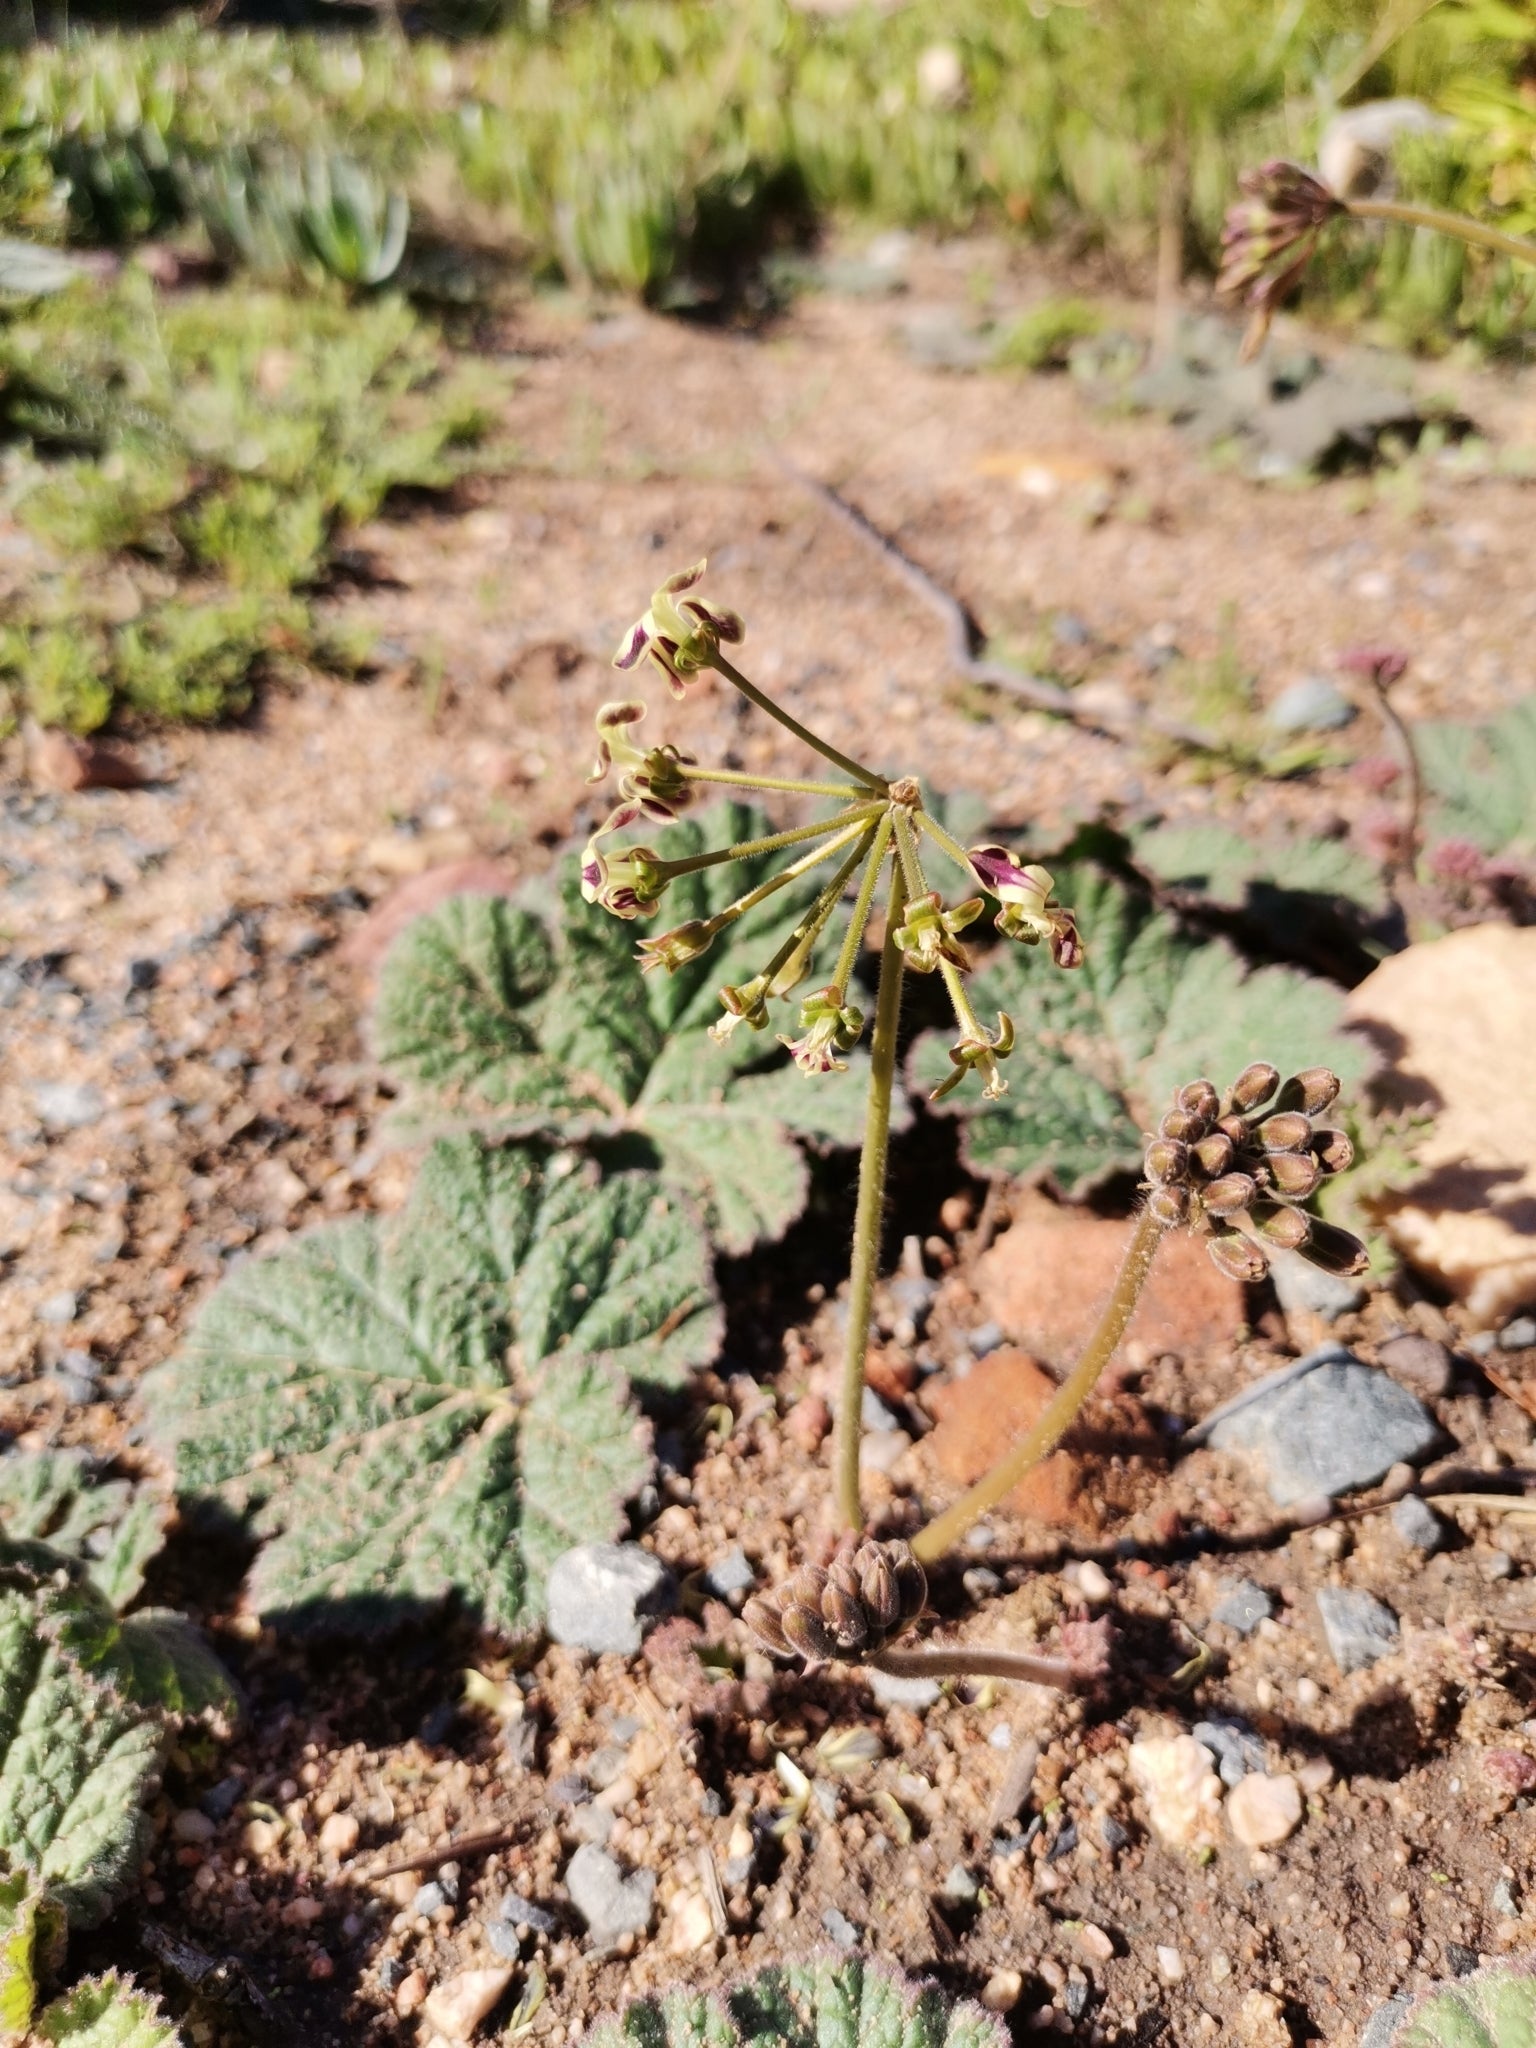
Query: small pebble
point(1419, 1363)
point(1094, 1942)
point(1510, 1770)
point(960, 1885)
point(1093, 1582)
point(733, 1573)
point(1263, 1810)
point(458, 2005)
point(429, 1897)
point(1242, 1606)
point(338, 1836)
point(58, 1309)
point(601, 1595)
point(1399, 1906)
point(410, 1993)
point(1315, 1775)
point(1002, 1990)
point(915, 1693)
point(1308, 1692)
point(1359, 1628)
point(1499, 1565)
point(1520, 1335)
point(1182, 1792)
point(1170, 1965)
point(1233, 1745)
point(192, 1826)
point(1417, 1523)
point(841, 1929)
point(1261, 2021)
point(981, 1583)
point(612, 1904)
point(1314, 704)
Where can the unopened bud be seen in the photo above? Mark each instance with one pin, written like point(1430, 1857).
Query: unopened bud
point(1179, 1124)
point(808, 1633)
point(843, 1612)
point(1199, 1098)
point(1214, 1155)
point(1293, 1174)
point(1169, 1206)
point(878, 1588)
point(1229, 1196)
point(1290, 1131)
point(1333, 1151)
point(1236, 1128)
point(1288, 1228)
point(1167, 1160)
point(1337, 1251)
point(761, 1615)
point(1236, 1257)
point(1311, 1091)
point(1255, 1084)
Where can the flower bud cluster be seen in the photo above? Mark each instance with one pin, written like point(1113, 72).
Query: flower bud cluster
point(868, 1592)
point(1270, 237)
point(1237, 1167)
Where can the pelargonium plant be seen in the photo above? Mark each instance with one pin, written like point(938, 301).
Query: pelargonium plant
point(1234, 1167)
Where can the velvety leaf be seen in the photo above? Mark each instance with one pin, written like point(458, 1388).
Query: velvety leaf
point(106, 2012)
point(54, 1497)
point(1493, 2008)
point(818, 2002)
point(171, 1664)
point(19, 1899)
point(1481, 779)
point(79, 1758)
point(1266, 878)
point(1101, 1049)
point(357, 1391)
point(566, 1036)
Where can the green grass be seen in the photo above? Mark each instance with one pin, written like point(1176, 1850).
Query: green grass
point(188, 462)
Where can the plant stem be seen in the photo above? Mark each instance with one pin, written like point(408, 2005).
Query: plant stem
point(931, 829)
point(1413, 795)
point(816, 919)
point(869, 1215)
point(749, 848)
point(794, 871)
point(946, 1530)
point(738, 779)
point(980, 1662)
point(1458, 225)
point(828, 752)
point(853, 938)
point(906, 847)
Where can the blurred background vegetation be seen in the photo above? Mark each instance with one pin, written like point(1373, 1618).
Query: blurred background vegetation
point(368, 174)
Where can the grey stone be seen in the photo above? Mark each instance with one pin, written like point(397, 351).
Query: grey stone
point(58, 1309)
point(840, 1927)
point(1418, 1363)
point(1417, 1523)
point(733, 1573)
point(1234, 1746)
point(1242, 1606)
point(1359, 1628)
point(601, 1595)
point(503, 1941)
point(221, 1800)
point(1302, 1288)
point(192, 1825)
point(612, 1904)
point(142, 975)
point(1502, 1899)
point(1339, 1426)
point(1312, 705)
point(1481, 1342)
point(984, 1338)
point(1384, 2022)
point(1519, 1335)
point(980, 1582)
point(68, 1105)
point(903, 1692)
point(590, 1824)
point(516, 1911)
point(429, 1899)
point(569, 1789)
point(883, 1449)
point(604, 1765)
point(1500, 1565)
point(960, 1885)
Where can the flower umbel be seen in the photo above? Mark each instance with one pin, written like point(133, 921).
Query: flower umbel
point(680, 634)
point(1027, 912)
point(868, 1592)
point(1249, 1160)
point(828, 1026)
point(1270, 237)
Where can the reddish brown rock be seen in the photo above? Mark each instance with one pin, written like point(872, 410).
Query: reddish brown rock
point(1047, 1278)
point(979, 1416)
point(64, 761)
point(388, 918)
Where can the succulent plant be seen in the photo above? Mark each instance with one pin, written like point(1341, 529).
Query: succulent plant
point(821, 2002)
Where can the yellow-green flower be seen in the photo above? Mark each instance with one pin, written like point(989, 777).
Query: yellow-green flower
point(680, 634)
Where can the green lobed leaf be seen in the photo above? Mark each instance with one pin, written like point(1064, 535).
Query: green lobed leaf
point(106, 2012)
point(488, 1018)
point(438, 1403)
point(55, 1497)
point(817, 2002)
point(1495, 2007)
point(19, 1900)
point(1101, 1049)
point(79, 1755)
point(1481, 779)
point(1271, 880)
point(170, 1664)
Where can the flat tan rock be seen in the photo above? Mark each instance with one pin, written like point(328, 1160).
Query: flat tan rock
point(1456, 1021)
point(1046, 1280)
point(457, 2007)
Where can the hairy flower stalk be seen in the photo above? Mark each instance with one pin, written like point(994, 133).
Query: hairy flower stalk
point(880, 831)
point(1234, 1167)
